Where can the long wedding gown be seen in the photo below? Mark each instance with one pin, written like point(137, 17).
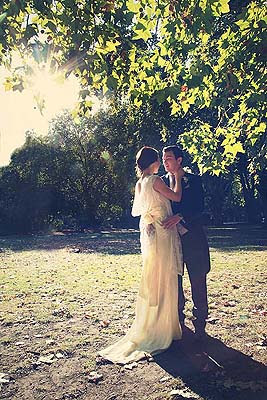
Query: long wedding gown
point(156, 321)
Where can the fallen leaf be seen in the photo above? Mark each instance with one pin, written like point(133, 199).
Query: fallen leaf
point(76, 250)
point(235, 286)
point(184, 394)
point(130, 366)
point(165, 379)
point(19, 343)
point(113, 396)
point(174, 392)
point(95, 377)
point(244, 316)
point(263, 341)
point(212, 320)
point(49, 341)
point(49, 359)
point(59, 355)
point(4, 378)
point(104, 324)
point(229, 304)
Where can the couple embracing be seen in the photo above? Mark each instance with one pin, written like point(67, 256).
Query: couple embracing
point(171, 235)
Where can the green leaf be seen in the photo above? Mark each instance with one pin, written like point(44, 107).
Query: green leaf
point(105, 155)
point(261, 127)
point(30, 32)
point(3, 17)
point(133, 6)
point(225, 6)
point(163, 50)
point(219, 7)
point(161, 62)
point(185, 106)
point(51, 26)
point(173, 91)
point(111, 46)
point(161, 96)
point(142, 33)
point(112, 83)
point(195, 81)
point(234, 149)
point(203, 5)
point(175, 107)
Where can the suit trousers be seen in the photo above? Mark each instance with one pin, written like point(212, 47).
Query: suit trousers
point(199, 297)
point(197, 261)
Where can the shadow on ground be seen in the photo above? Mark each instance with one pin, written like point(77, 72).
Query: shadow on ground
point(238, 237)
point(114, 242)
point(126, 241)
point(213, 370)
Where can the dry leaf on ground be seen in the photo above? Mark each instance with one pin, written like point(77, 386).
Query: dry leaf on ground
point(95, 377)
point(49, 359)
point(4, 378)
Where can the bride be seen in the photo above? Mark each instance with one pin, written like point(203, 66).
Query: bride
point(156, 321)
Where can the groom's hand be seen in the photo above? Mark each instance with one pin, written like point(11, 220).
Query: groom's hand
point(170, 222)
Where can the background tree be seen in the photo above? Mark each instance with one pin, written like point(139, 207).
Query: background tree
point(31, 186)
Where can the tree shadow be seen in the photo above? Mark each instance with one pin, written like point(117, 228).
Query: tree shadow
point(231, 237)
point(213, 370)
point(112, 242)
point(126, 241)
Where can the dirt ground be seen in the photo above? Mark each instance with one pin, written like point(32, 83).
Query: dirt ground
point(60, 304)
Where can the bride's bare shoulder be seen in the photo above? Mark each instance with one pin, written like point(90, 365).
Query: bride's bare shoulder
point(158, 182)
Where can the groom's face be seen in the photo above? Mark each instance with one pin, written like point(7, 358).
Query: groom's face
point(171, 164)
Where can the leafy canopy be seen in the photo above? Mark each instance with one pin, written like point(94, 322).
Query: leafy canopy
point(192, 54)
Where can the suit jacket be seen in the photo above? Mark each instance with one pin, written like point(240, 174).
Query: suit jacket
point(194, 242)
point(191, 206)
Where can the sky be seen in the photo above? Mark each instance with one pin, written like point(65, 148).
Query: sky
point(18, 111)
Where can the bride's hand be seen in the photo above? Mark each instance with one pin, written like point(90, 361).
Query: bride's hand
point(150, 229)
point(179, 173)
point(170, 222)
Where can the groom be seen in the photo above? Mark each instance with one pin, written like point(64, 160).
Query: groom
point(194, 240)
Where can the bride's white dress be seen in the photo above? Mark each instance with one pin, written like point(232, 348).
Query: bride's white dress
point(156, 321)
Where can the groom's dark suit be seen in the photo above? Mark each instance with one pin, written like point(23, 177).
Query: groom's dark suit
point(195, 248)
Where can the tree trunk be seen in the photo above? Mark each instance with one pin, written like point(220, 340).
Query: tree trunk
point(248, 189)
point(262, 189)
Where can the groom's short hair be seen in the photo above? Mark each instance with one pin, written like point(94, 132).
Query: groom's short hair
point(176, 151)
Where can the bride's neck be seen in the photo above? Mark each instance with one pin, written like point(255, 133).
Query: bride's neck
point(147, 172)
point(151, 170)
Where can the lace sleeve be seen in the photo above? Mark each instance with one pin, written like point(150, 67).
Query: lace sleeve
point(144, 198)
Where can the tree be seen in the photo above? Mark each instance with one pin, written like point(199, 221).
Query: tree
point(201, 54)
point(104, 147)
point(31, 186)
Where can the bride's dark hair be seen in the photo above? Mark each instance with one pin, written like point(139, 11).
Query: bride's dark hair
point(144, 158)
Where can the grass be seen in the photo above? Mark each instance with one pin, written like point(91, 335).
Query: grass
point(75, 293)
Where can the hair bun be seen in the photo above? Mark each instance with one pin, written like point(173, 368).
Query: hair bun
point(145, 157)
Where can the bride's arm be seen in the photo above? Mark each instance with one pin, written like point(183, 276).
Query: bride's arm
point(175, 194)
point(136, 211)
